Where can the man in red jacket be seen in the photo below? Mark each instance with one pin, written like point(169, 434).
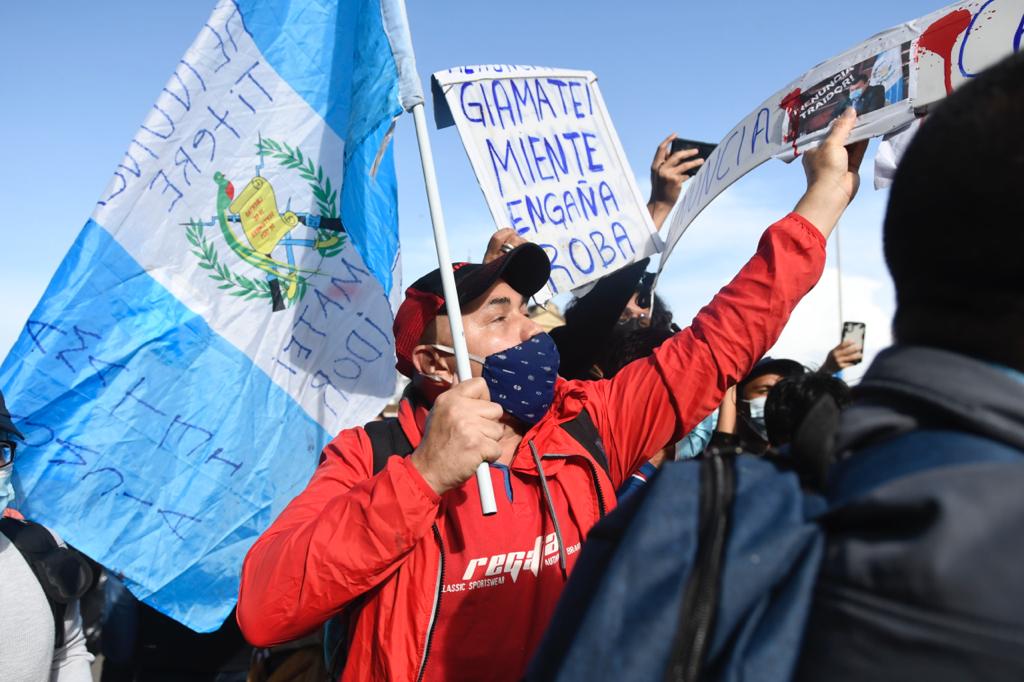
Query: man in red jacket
point(433, 589)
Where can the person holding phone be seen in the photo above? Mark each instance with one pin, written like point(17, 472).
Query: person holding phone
point(850, 350)
point(669, 170)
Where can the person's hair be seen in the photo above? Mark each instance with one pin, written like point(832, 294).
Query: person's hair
point(790, 400)
point(782, 367)
point(661, 314)
point(629, 343)
point(953, 236)
point(861, 76)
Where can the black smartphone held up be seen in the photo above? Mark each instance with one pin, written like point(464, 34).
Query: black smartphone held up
point(704, 150)
point(643, 290)
point(854, 331)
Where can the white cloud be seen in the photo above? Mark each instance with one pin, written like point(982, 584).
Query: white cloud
point(815, 326)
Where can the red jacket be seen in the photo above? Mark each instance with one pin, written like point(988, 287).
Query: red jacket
point(448, 593)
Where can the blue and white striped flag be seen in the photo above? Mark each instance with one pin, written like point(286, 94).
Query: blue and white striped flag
point(226, 309)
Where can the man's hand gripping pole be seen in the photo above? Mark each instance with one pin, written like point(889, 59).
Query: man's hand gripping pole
point(451, 296)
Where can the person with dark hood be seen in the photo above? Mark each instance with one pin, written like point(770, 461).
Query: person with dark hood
point(921, 576)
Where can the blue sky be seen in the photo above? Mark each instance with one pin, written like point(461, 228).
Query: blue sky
point(78, 78)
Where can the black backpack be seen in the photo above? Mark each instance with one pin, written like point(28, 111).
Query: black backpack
point(387, 439)
point(63, 573)
point(723, 569)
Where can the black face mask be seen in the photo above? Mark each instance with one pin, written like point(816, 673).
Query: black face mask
point(629, 325)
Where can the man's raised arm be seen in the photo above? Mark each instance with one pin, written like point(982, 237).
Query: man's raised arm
point(656, 400)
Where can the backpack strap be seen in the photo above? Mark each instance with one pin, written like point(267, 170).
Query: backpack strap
point(62, 572)
point(582, 429)
point(387, 439)
point(702, 594)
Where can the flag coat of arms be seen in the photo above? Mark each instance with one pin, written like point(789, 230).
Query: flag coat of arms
point(226, 309)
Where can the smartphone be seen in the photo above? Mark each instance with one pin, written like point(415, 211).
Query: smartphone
point(704, 150)
point(643, 290)
point(854, 331)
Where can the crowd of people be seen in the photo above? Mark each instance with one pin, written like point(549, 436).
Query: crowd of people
point(386, 568)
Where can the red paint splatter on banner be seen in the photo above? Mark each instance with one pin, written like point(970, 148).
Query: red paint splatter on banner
point(791, 105)
point(230, 190)
point(940, 38)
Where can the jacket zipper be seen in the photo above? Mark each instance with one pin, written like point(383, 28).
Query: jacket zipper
point(702, 589)
point(436, 609)
point(593, 474)
point(597, 485)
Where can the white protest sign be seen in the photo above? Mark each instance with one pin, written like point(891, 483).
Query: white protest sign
point(550, 165)
point(890, 80)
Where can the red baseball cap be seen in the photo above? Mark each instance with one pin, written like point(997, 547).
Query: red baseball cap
point(525, 268)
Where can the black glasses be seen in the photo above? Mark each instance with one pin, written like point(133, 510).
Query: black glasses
point(7, 448)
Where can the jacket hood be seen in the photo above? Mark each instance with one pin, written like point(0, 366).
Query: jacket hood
point(916, 387)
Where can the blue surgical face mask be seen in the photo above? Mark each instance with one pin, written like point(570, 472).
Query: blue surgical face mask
point(755, 416)
point(6, 487)
point(522, 378)
point(856, 94)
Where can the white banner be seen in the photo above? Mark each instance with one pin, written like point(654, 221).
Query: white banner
point(890, 80)
point(550, 164)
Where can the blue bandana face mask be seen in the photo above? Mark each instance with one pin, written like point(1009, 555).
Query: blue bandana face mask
point(522, 378)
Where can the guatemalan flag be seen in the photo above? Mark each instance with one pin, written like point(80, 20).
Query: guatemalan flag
point(226, 310)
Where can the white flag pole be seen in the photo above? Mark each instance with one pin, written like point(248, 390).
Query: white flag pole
point(396, 26)
point(451, 296)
